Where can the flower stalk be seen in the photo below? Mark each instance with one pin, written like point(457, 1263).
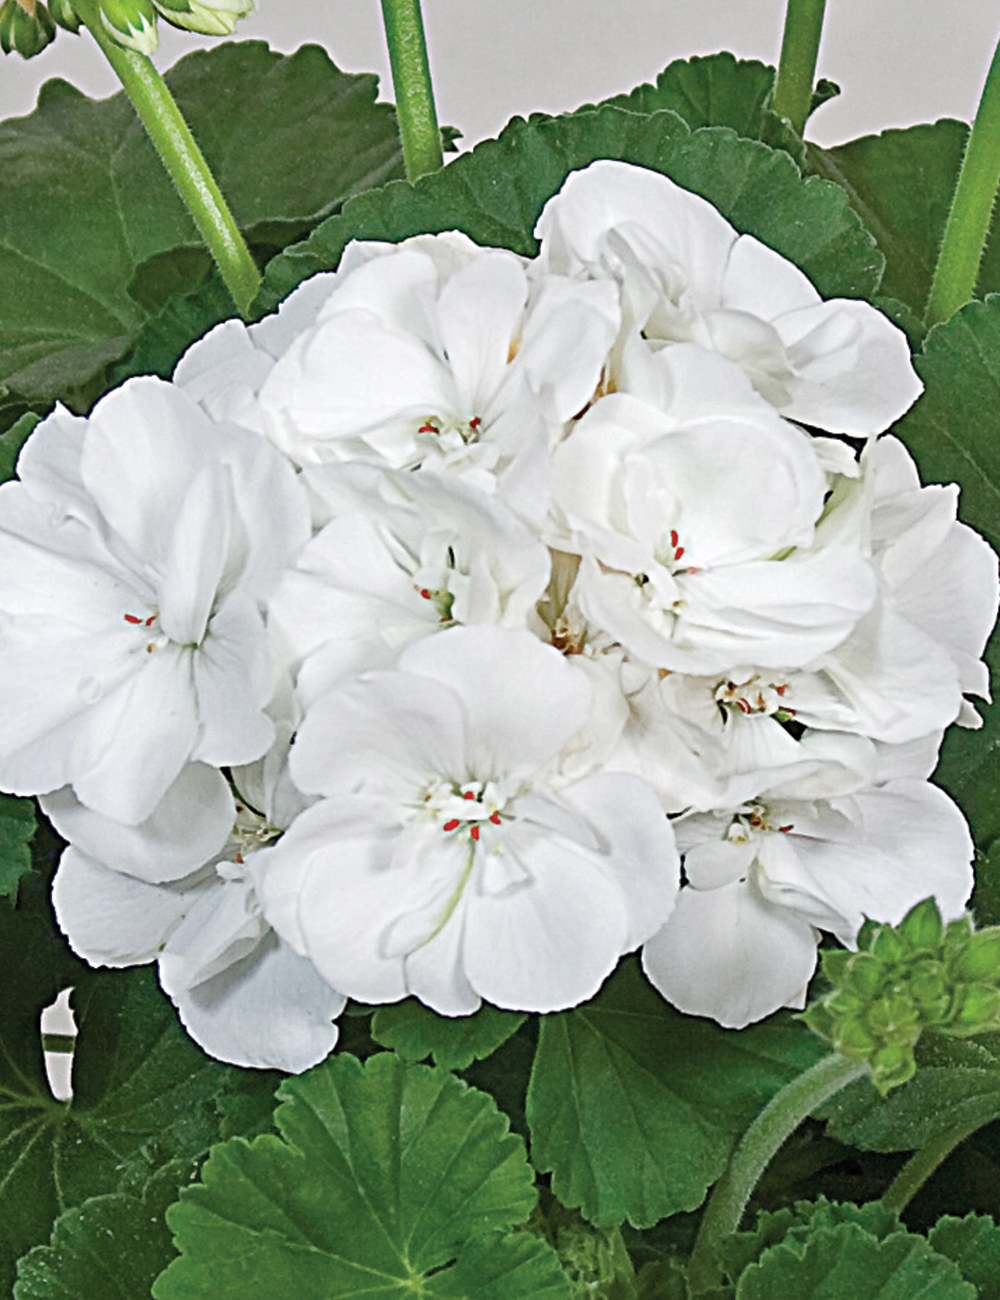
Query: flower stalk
point(922, 1164)
point(182, 158)
point(411, 79)
point(797, 66)
point(760, 1143)
point(968, 222)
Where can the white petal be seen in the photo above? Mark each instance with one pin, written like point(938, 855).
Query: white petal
point(269, 1010)
point(728, 954)
point(189, 826)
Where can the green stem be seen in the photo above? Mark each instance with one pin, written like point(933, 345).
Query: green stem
point(770, 1130)
point(182, 158)
point(922, 1164)
point(793, 89)
point(411, 80)
point(969, 219)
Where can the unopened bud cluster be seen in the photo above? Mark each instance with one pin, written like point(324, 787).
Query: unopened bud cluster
point(132, 23)
point(28, 26)
point(919, 975)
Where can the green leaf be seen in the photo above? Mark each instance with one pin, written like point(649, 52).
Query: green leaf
point(707, 90)
point(109, 1248)
point(901, 184)
point(796, 1224)
point(985, 903)
point(974, 1244)
point(91, 221)
point(634, 1107)
point(387, 1172)
point(143, 1092)
point(416, 1032)
point(952, 433)
point(17, 829)
point(847, 1263)
point(496, 192)
point(958, 1083)
point(11, 442)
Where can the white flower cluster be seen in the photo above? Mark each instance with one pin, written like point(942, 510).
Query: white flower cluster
point(413, 640)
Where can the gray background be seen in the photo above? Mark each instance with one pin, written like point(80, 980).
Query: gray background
point(897, 61)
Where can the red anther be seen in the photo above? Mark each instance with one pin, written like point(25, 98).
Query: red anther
point(760, 700)
point(785, 829)
point(474, 832)
point(673, 537)
point(743, 706)
point(239, 859)
point(131, 618)
point(679, 552)
point(452, 825)
point(781, 689)
point(475, 422)
point(694, 570)
point(495, 818)
point(425, 593)
point(468, 795)
point(428, 428)
point(151, 620)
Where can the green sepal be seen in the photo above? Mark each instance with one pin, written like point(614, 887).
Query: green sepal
point(922, 925)
point(204, 16)
point(979, 962)
point(23, 33)
point(131, 23)
point(892, 1065)
point(64, 15)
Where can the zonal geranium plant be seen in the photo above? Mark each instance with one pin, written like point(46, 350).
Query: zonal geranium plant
point(531, 615)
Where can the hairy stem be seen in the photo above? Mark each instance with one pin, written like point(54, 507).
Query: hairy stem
point(411, 79)
point(773, 1126)
point(969, 219)
point(58, 1042)
point(797, 68)
point(182, 158)
point(922, 1164)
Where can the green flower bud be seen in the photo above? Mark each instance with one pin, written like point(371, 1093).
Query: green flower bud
point(895, 1019)
point(25, 33)
point(866, 974)
point(979, 963)
point(835, 962)
point(922, 925)
point(210, 17)
point(64, 15)
point(131, 23)
point(891, 946)
point(931, 989)
point(979, 1011)
point(892, 1065)
point(852, 1037)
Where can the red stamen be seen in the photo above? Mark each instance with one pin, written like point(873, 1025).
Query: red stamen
point(131, 618)
point(474, 832)
point(679, 552)
point(428, 428)
point(424, 592)
point(468, 795)
point(495, 818)
point(151, 620)
point(785, 829)
point(239, 858)
point(673, 537)
point(743, 706)
point(452, 825)
point(475, 422)
point(781, 689)
point(694, 570)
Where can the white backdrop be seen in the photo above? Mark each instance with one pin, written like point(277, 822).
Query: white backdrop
point(898, 61)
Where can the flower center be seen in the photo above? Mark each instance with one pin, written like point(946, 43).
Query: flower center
point(466, 809)
point(156, 637)
point(449, 435)
point(754, 819)
point(755, 696)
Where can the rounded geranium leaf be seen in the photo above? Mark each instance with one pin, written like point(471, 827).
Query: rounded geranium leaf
point(386, 1174)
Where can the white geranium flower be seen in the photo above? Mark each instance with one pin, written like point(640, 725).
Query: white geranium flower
point(697, 519)
point(402, 556)
point(763, 878)
point(449, 857)
point(241, 992)
point(435, 353)
point(136, 553)
point(687, 276)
